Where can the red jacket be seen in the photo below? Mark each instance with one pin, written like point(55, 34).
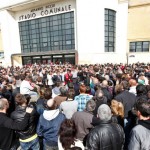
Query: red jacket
point(68, 78)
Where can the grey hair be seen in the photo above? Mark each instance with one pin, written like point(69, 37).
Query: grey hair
point(90, 105)
point(104, 112)
point(3, 103)
point(63, 90)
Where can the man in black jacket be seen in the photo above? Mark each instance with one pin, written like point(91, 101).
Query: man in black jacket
point(107, 135)
point(128, 100)
point(7, 125)
point(28, 138)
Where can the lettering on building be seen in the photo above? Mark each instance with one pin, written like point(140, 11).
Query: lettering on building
point(44, 11)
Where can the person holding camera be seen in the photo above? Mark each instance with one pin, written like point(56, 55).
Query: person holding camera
point(28, 138)
point(8, 125)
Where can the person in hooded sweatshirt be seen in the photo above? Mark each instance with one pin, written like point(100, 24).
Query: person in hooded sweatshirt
point(49, 124)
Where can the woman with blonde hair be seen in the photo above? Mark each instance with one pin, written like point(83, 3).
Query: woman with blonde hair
point(117, 109)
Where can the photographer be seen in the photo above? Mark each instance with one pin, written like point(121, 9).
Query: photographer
point(7, 125)
point(28, 138)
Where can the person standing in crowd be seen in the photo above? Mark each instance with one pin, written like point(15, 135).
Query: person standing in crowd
point(106, 135)
point(141, 92)
point(28, 138)
point(128, 100)
point(83, 120)
point(45, 94)
point(117, 110)
point(50, 79)
point(62, 97)
point(68, 77)
point(74, 74)
point(48, 126)
point(82, 98)
point(26, 87)
point(7, 126)
point(99, 99)
point(140, 134)
point(132, 88)
point(67, 135)
point(69, 107)
point(104, 88)
point(56, 89)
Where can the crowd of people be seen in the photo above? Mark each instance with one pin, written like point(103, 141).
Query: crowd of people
point(75, 107)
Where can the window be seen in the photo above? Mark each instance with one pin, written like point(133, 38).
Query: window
point(48, 33)
point(1, 54)
point(141, 46)
point(110, 30)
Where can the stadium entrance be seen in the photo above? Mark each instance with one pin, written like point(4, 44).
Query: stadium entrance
point(49, 59)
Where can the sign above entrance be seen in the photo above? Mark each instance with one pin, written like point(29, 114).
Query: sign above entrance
point(47, 10)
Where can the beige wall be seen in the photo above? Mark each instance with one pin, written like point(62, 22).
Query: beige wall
point(17, 60)
point(139, 23)
point(138, 28)
point(138, 2)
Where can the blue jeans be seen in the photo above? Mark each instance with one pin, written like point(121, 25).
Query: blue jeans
point(50, 145)
point(32, 145)
point(46, 147)
point(127, 129)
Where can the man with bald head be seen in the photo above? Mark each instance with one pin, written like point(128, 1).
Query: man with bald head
point(104, 88)
point(49, 124)
point(7, 125)
point(133, 85)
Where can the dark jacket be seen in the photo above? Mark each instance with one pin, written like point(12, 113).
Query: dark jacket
point(7, 135)
point(140, 136)
point(18, 115)
point(106, 136)
point(128, 100)
point(99, 101)
point(107, 94)
point(118, 119)
point(41, 105)
point(142, 96)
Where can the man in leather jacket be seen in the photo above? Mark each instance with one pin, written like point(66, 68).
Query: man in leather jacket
point(7, 125)
point(107, 135)
point(28, 138)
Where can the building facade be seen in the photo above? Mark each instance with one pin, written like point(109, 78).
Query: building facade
point(1, 46)
point(138, 41)
point(60, 31)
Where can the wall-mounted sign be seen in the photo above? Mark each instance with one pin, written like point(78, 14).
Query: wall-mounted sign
point(44, 11)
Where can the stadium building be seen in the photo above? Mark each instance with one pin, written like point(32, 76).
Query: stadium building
point(75, 31)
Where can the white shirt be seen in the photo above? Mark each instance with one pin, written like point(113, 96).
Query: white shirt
point(74, 74)
point(25, 87)
point(49, 78)
point(133, 90)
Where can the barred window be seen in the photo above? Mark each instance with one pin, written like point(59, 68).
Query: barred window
point(48, 33)
point(140, 46)
point(110, 30)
